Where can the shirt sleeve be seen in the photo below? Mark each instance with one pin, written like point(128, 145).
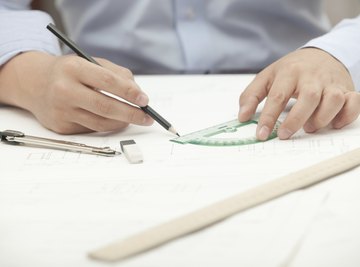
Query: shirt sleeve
point(342, 42)
point(24, 30)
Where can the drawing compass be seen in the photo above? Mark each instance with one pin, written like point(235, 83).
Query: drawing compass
point(19, 138)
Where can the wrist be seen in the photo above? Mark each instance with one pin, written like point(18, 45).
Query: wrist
point(23, 77)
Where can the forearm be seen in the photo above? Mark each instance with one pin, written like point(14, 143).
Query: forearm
point(25, 30)
point(22, 32)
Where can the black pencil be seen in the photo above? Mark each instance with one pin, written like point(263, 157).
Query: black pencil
point(71, 44)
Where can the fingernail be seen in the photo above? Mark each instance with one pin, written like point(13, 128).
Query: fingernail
point(263, 133)
point(284, 133)
point(142, 100)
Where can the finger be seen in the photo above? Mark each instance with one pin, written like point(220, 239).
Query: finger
point(309, 97)
point(109, 108)
point(97, 123)
point(252, 96)
point(279, 94)
point(59, 118)
point(349, 112)
point(68, 128)
point(332, 101)
point(99, 77)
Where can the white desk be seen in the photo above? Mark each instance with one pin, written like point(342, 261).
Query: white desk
point(57, 206)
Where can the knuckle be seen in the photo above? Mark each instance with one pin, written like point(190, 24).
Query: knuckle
point(128, 73)
point(130, 91)
point(268, 119)
point(247, 95)
point(103, 61)
point(264, 74)
point(293, 67)
point(102, 107)
point(312, 93)
point(297, 120)
point(323, 76)
point(243, 97)
point(108, 78)
point(319, 122)
point(278, 97)
point(337, 96)
point(72, 64)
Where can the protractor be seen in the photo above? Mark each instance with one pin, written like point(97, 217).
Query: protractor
point(225, 134)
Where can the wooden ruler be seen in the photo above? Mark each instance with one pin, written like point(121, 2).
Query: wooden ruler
point(219, 211)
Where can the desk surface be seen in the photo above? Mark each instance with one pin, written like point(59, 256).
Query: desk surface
point(57, 206)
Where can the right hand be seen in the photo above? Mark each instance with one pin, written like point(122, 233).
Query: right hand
point(62, 93)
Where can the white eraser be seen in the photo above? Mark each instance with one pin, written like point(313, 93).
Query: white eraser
point(131, 151)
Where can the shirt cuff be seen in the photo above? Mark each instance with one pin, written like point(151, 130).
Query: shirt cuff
point(25, 31)
point(343, 44)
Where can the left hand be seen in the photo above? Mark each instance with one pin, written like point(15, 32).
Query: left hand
point(321, 84)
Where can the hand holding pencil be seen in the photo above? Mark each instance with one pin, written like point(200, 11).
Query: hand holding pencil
point(140, 100)
point(60, 92)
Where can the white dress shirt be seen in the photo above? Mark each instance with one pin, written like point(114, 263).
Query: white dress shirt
point(184, 36)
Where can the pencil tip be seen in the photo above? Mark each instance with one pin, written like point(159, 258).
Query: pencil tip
point(172, 129)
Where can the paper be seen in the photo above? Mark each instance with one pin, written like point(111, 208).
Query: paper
point(215, 213)
point(57, 206)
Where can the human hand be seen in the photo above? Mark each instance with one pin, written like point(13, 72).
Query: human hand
point(62, 93)
point(321, 84)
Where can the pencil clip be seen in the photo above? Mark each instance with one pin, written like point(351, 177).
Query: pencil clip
point(19, 138)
